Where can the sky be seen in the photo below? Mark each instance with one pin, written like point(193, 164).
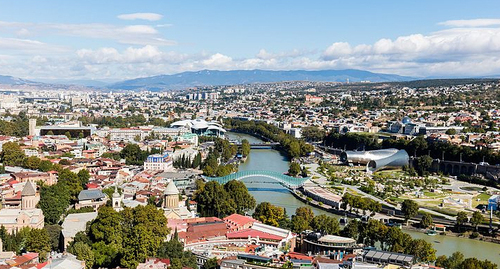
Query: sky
point(118, 39)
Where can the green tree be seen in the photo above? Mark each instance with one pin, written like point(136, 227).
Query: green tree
point(238, 192)
point(462, 218)
point(68, 134)
point(245, 147)
point(38, 241)
point(54, 232)
point(423, 164)
point(426, 220)
point(133, 154)
point(107, 227)
point(476, 219)
point(32, 162)
point(294, 169)
point(211, 264)
point(410, 209)
point(197, 160)
point(422, 250)
point(45, 166)
point(313, 133)
point(53, 201)
point(213, 200)
point(64, 162)
point(269, 214)
point(451, 131)
point(84, 252)
point(144, 236)
point(299, 224)
point(452, 262)
point(305, 212)
point(474, 263)
point(352, 229)
point(294, 150)
point(326, 224)
point(12, 154)
point(83, 177)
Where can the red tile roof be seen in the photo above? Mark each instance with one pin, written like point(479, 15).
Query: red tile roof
point(238, 220)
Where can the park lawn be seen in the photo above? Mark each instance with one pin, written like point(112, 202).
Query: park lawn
point(396, 199)
point(434, 195)
point(483, 199)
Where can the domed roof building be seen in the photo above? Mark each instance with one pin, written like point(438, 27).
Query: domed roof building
point(201, 127)
point(171, 205)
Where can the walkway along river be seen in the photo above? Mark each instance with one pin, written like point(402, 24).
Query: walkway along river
point(265, 190)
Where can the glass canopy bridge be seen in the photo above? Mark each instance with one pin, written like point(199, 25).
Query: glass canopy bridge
point(286, 181)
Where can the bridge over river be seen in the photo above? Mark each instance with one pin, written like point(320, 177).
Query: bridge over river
point(260, 145)
point(286, 181)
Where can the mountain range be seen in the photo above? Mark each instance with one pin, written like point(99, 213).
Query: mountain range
point(14, 81)
point(215, 77)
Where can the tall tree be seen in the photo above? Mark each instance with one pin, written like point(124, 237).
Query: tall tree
point(461, 219)
point(238, 192)
point(245, 147)
point(299, 224)
point(422, 250)
point(426, 220)
point(83, 252)
point(213, 200)
point(410, 209)
point(269, 214)
point(326, 224)
point(12, 154)
point(294, 169)
point(38, 241)
point(305, 212)
point(32, 162)
point(476, 219)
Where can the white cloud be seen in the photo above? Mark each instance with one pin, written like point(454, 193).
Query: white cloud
point(218, 60)
point(131, 34)
point(455, 51)
point(28, 46)
point(471, 23)
point(141, 16)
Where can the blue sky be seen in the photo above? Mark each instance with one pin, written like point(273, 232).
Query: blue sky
point(112, 40)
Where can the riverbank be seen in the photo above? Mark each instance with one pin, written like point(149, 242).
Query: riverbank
point(266, 190)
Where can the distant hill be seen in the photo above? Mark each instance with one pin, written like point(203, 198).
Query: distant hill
point(214, 78)
point(14, 81)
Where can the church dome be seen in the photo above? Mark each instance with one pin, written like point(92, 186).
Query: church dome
point(171, 189)
point(29, 189)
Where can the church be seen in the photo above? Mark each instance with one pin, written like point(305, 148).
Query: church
point(14, 219)
point(171, 206)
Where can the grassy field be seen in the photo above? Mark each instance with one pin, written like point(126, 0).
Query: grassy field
point(483, 199)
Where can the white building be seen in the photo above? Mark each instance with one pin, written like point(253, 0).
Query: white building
point(9, 102)
point(158, 162)
point(201, 127)
point(128, 134)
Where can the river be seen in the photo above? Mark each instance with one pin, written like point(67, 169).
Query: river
point(264, 190)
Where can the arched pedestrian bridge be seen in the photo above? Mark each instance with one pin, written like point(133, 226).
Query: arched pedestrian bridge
point(286, 181)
